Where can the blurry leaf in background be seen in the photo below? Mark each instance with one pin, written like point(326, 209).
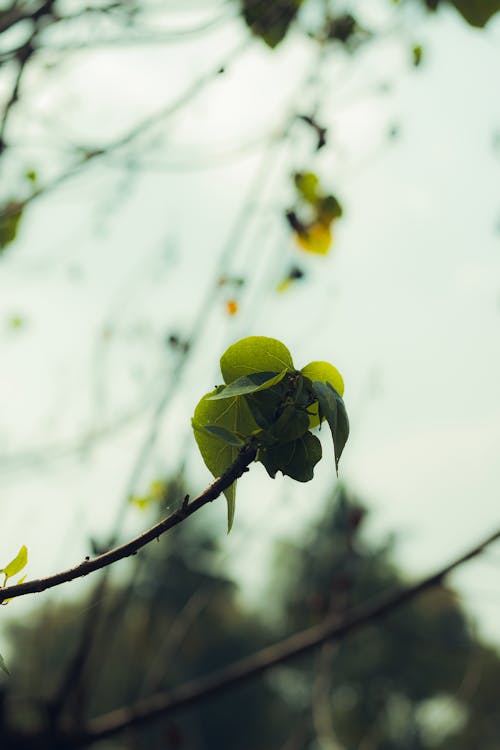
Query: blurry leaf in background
point(314, 215)
point(31, 176)
point(231, 307)
point(417, 52)
point(344, 28)
point(270, 20)
point(294, 274)
point(477, 12)
point(155, 495)
point(10, 216)
point(316, 239)
point(234, 281)
point(307, 184)
point(16, 322)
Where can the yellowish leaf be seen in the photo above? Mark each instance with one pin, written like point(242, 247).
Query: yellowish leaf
point(17, 564)
point(316, 239)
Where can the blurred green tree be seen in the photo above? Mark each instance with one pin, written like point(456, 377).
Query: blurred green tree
point(386, 687)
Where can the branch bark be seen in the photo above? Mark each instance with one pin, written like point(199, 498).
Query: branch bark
point(238, 468)
point(330, 630)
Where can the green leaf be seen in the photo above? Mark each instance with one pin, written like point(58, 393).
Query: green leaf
point(295, 459)
point(342, 430)
point(17, 564)
point(141, 501)
point(3, 665)
point(322, 372)
point(221, 432)
point(329, 209)
point(265, 405)
point(477, 12)
point(270, 20)
point(234, 416)
point(417, 52)
point(10, 216)
point(331, 408)
point(254, 354)
point(291, 424)
point(248, 384)
point(307, 184)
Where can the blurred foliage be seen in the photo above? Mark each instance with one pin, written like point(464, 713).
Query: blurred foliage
point(312, 217)
point(270, 20)
point(476, 12)
point(381, 680)
point(10, 217)
point(182, 618)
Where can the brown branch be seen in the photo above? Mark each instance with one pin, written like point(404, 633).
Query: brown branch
point(242, 671)
point(234, 472)
point(23, 55)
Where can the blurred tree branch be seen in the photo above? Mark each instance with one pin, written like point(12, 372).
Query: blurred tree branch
point(238, 468)
point(329, 631)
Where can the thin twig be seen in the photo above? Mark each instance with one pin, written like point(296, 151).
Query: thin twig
point(234, 472)
point(242, 671)
point(92, 155)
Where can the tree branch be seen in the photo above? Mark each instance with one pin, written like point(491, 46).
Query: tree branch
point(242, 671)
point(234, 472)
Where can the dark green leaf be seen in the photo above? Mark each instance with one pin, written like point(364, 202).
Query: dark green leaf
point(10, 216)
point(270, 20)
point(263, 408)
point(248, 384)
point(296, 459)
point(329, 209)
point(290, 425)
point(331, 408)
point(220, 432)
point(342, 430)
point(477, 12)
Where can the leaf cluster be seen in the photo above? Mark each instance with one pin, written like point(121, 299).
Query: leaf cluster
point(315, 214)
point(266, 402)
